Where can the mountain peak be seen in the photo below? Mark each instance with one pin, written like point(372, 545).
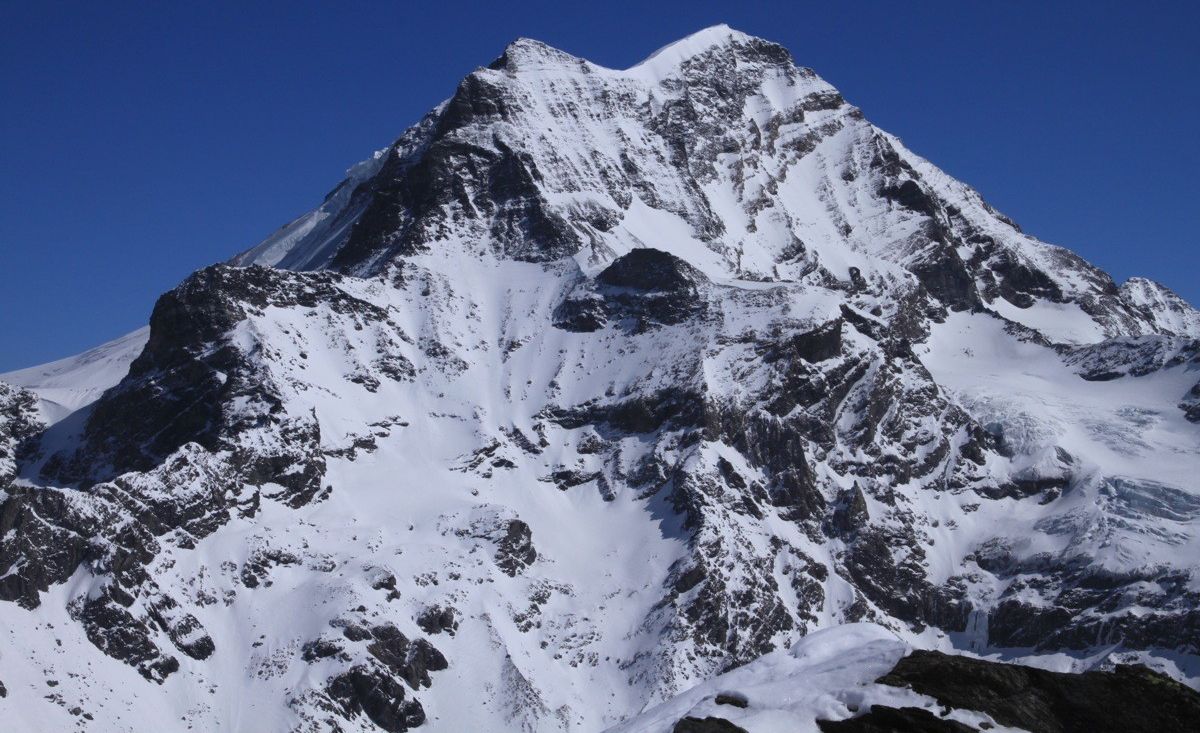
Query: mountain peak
point(704, 41)
point(700, 42)
point(524, 54)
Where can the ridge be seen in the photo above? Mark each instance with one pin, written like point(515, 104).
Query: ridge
point(593, 386)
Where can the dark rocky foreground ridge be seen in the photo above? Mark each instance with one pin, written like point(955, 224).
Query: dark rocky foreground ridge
point(596, 384)
point(1128, 699)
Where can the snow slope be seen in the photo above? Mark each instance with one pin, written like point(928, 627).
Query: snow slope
point(593, 386)
point(67, 385)
point(827, 675)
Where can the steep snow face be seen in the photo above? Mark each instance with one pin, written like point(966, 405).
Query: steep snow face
point(592, 386)
point(1169, 313)
point(311, 240)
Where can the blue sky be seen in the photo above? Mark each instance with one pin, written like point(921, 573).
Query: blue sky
point(140, 142)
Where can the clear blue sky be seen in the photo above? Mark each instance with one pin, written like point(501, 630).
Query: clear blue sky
point(140, 142)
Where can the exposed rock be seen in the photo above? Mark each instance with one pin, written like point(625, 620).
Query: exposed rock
point(1170, 313)
point(436, 619)
point(819, 344)
point(851, 512)
point(412, 660)
point(706, 725)
point(41, 552)
point(515, 550)
point(384, 581)
point(117, 633)
point(643, 288)
point(882, 719)
point(567, 478)
point(191, 384)
point(322, 648)
point(18, 425)
point(946, 277)
point(258, 566)
point(363, 690)
point(651, 270)
point(185, 630)
point(735, 699)
point(1126, 700)
point(583, 314)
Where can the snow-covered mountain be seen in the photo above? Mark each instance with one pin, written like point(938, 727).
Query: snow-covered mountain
point(594, 385)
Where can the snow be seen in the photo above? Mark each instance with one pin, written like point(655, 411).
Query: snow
point(311, 240)
point(1172, 314)
point(645, 226)
point(1062, 323)
point(580, 640)
point(75, 382)
point(1129, 427)
point(828, 675)
point(667, 59)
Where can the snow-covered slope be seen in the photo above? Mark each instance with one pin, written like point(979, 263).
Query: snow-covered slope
point(1170, 313)
point(860, 678)
point(828, 675)
point(70, 384)
point(592, 386)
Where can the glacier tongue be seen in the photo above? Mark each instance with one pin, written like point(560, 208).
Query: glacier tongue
point(594, 385)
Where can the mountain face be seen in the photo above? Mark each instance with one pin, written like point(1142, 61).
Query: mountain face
point(594, 385)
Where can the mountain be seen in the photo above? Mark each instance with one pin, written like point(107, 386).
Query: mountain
point(593, 386)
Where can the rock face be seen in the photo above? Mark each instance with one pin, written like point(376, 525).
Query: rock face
point(614, 381)
point(380, 699)
point(706, 725)
point(882, 719)
point(639, 290)
point(1128, 698)
point(1171, 314)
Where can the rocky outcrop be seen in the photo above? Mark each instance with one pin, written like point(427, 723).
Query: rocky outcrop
point(1128, 698)
point(706, 725)
point(884, 719)
point(438, 619)
point(639, 290)
point(411, 660)
point(19, 423)
point(363, 691)
point(194, 383)
point(515, 550)
point(1191, 404)
point(1170, 314)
